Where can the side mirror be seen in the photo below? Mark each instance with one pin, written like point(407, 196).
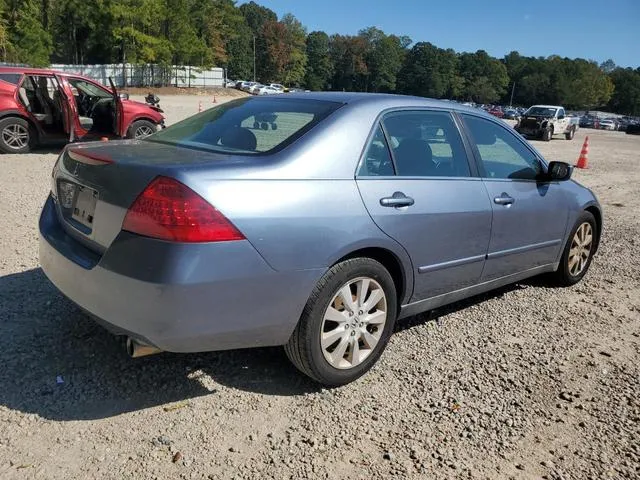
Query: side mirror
point(123, 96)
point(559, 171)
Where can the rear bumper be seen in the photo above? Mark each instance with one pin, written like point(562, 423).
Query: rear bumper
point(177, 297)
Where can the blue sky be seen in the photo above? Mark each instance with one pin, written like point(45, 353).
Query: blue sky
point(592, 29)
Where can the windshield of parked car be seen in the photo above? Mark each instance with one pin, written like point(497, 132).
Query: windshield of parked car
point(541, 111)
point(247, 126)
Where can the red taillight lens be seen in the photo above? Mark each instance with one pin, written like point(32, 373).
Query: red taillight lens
point(169, 210)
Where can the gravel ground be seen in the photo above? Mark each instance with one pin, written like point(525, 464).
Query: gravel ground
point(526, 382)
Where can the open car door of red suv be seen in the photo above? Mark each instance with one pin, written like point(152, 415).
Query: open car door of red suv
point(118, 117)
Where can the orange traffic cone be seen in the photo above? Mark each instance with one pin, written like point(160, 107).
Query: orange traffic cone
point(583, 161)
point(199, 106)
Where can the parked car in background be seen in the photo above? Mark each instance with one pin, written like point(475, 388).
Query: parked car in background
point(278, 86)
point(268, 90)
point(496, 112)
point(40, 106)
point(587, 122)
point(510, 114)
point(545, 121)
point(247, 86)
point(254, 88)
point(633, 128)
point(355, 253)
point(607, 124)
point(230, 83)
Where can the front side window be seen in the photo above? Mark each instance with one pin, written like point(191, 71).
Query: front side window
point(85, 88)
point(248, 125)
point(426, 144)
point(502, 155)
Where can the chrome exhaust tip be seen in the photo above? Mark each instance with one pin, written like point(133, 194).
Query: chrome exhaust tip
point(136, 349)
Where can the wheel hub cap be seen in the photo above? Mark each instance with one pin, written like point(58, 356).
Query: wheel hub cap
point(353, 323)
point(580, 249)
point(15, 136)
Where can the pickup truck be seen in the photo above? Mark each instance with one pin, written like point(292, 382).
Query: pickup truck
point(545, 121)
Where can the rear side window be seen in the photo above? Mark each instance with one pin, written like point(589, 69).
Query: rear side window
point(426, 144)
point(377, 159)
point(248, 126)
point(13, 78)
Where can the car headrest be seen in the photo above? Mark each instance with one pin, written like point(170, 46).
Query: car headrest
point(240, 138)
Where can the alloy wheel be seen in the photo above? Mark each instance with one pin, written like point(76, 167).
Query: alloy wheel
point(353, 323)
point(15, 136)
point(143, 131)
point(580, 249)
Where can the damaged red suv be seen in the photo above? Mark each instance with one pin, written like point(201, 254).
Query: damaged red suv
point(39, 106)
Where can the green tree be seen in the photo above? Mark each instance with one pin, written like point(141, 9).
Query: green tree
point(319, 66)
point(430, 71)
point(485, 77)
point(256, 16)
point(138, 31)
point(385, 54)
point(348, 56)
point(285, 48)
point(30, 42)
point(626, 96)
point(5, 44)
point(82, 31)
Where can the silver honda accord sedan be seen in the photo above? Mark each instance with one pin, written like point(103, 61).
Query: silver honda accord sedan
point(313, 221)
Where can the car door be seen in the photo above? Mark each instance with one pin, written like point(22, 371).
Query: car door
point(561, 122)
point(529, 216)
point(420, 189)
point(118, 113)
point(67, 104)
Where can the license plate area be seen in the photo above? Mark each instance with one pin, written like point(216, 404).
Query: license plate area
point(84, 206)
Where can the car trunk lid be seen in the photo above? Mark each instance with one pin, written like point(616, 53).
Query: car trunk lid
point(94, 184)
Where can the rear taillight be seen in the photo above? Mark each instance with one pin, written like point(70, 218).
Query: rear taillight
point(169, 210)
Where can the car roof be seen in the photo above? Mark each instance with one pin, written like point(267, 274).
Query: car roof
point(391, 100)
point(546, 106)
point(36, 71)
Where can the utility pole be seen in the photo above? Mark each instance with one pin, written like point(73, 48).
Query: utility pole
point(513, 88)
point(254, 58)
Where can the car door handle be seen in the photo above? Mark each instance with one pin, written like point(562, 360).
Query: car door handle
point(504, 199)
point(398, 199)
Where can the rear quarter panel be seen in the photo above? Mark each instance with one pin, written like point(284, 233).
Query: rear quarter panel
point(300, 224)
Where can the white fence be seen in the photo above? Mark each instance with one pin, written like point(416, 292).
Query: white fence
point(149, 75)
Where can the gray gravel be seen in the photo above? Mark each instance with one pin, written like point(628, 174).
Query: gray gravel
point(526, 382)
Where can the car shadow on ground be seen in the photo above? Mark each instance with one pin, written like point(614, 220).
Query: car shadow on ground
point(59, 364)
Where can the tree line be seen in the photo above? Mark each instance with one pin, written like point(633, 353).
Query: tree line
point(223, 34)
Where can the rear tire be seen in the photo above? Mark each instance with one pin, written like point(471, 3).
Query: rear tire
point(354, 334)
point(577, 254)
point(570, 134)
point(141, 129)
point(16, 135)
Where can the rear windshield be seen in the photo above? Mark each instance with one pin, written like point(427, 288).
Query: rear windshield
point(248, 126)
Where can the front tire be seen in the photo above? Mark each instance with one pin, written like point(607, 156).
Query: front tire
point(578, 252)
point(346, 323)
point(16, 135)
point(547, 134)
point(141, 129)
